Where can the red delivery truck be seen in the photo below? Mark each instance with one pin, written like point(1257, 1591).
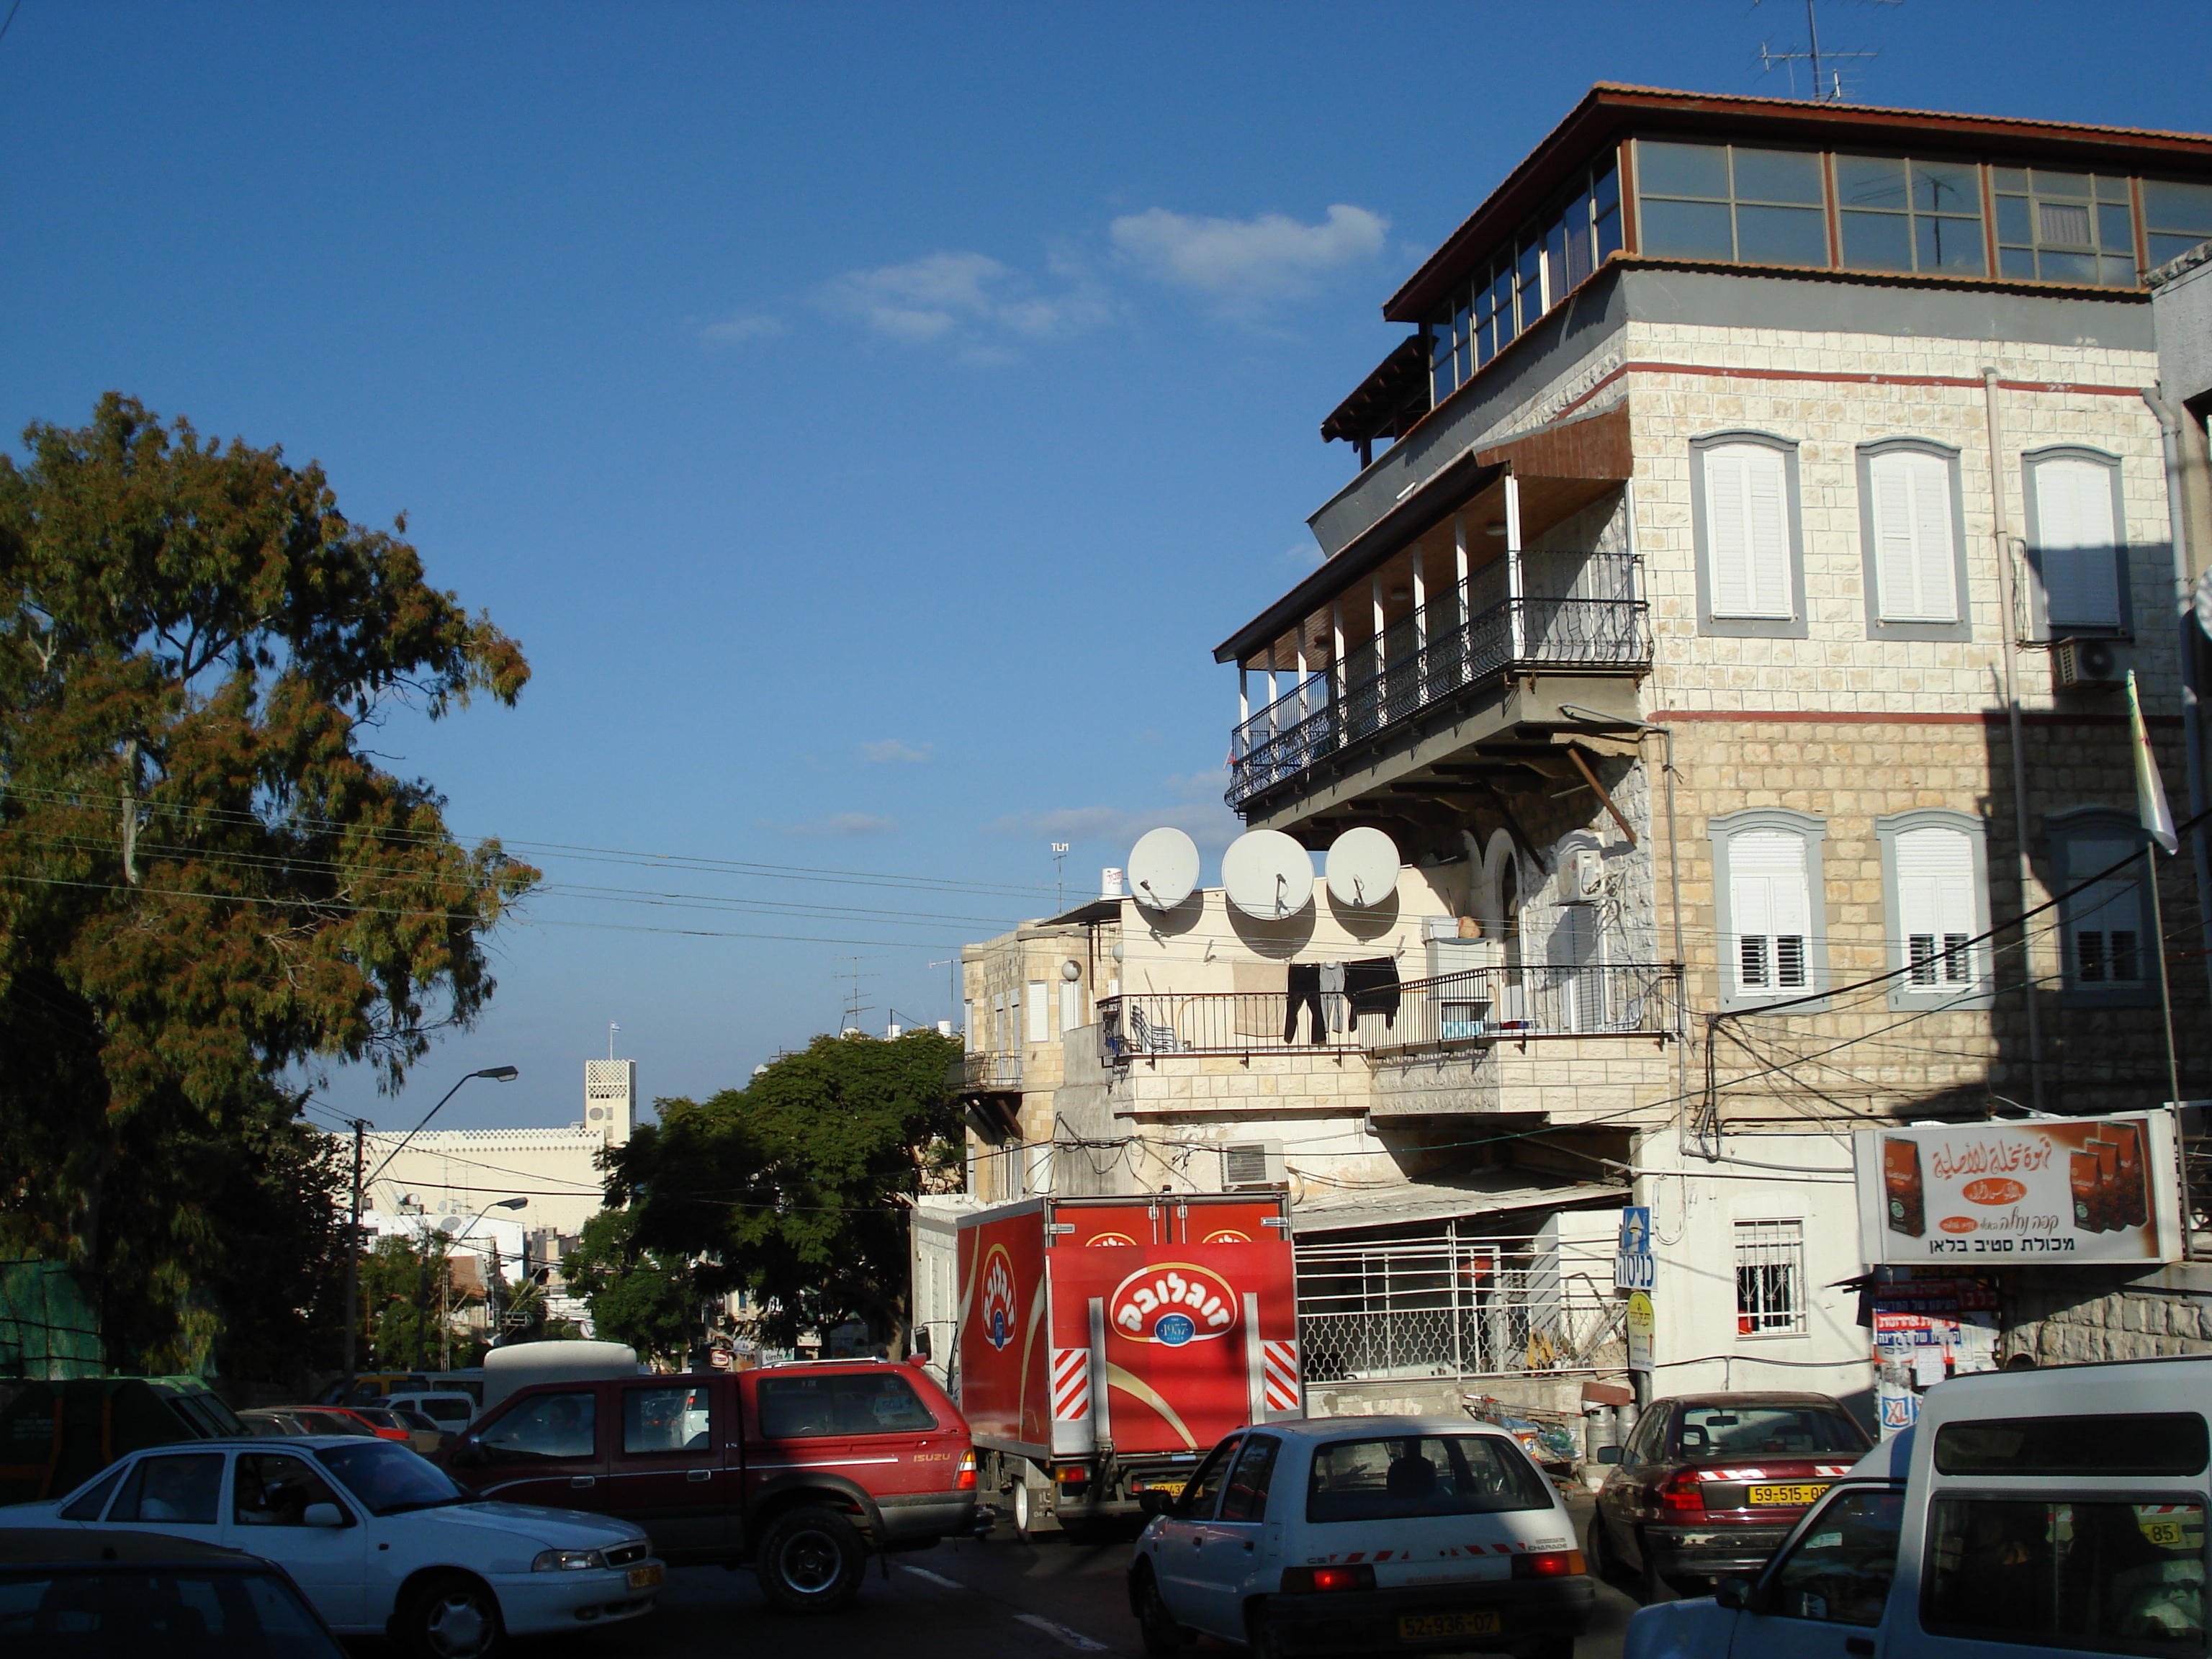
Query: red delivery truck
point(1105, 1343)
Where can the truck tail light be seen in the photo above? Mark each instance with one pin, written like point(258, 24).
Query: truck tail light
point(1071, 1474)
point(1550, 1564)
point(1307, 1581)
point(965, 1480)
point(1684, 1491)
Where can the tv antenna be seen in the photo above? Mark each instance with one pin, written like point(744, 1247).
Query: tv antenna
point(1832, 92)
point(853, 1007)
point(611, 1028)
point(1060, 870)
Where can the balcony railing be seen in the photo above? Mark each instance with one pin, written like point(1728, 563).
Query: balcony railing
point(1137, 1024)
point(1525, 610)
point(985, 1073)
point(1536, 999)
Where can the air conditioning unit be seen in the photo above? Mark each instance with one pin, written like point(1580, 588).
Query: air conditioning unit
point(1582, 876)
point(1252, 1163)
point(2089, 662)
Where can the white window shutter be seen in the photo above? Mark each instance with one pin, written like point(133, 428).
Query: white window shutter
point(1936, 910)
point(1748, 531)
point(1913, 559)
point(2077, 544)
point(1769, 902)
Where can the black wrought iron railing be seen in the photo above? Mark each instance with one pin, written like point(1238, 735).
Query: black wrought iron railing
point(1142, 1023)
point(1524, 610)
point(1537, 999)
point(985, 1073)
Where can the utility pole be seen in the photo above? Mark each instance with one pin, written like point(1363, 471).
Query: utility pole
point(353, 1256)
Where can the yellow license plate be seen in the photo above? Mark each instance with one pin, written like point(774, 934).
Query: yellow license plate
point(1172, 1488)
point(1429, 1627)
point(646, 1578)
point(2165, 1534)
point(1801, 1494)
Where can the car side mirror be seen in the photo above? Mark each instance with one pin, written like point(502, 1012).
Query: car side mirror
point(322, 1514)
point(1733, 1594)
point(1608, 1454)
point(1154, 1504)
point(466, 1456)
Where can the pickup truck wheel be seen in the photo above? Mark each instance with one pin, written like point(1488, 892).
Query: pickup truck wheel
point(1155, 1625)
point(810, 1560)
point(451, 1617)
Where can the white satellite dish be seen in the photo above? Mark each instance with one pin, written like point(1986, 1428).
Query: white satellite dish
point(1363, 868)
point(1163, 868)
point(1267, 875)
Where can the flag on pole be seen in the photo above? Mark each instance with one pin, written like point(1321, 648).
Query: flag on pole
point(2150, 793)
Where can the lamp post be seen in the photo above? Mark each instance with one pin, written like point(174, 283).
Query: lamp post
point(498, 1074)
point(491, 1278)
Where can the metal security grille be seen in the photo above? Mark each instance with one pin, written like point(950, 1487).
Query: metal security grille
point(1770, 1277)
point(1449, 1305)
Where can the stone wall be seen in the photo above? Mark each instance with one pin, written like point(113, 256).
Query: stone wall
point(2075, 1315)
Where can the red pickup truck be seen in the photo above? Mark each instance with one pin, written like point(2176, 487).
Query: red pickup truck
point(801, 1470)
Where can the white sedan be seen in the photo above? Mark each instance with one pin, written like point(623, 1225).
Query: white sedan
point(381, 1540)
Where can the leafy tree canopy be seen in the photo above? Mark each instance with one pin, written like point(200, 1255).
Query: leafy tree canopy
point(794, 1188)
point(207, 880)
point(642, 1297)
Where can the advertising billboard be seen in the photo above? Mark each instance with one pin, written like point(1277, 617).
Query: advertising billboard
point(1975, 1195)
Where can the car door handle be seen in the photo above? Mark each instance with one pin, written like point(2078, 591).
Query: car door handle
point(698, 1474)
point(1861, 1644)
point(576, 1482)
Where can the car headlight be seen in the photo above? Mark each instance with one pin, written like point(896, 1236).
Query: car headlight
point(567, 1561)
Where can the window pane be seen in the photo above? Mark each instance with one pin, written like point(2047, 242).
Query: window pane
point(1687, 230)
point(1877, 241)
point(1947, 187)
point(1408, 1476)
point(1578, 239)
point(1777, 175)
point(1782, 236)
point(1606, 189)
point(2069, 267)
point(2074, 184)
point(2016, 262)
point(2163, 247)
point(2117, 269)
point(2178, 207)
point(273, 1490)
point(1609, 234)
point(2068, 1574)
point(1840, 1570)
point(173, 1489)
point(2064, 223)
point(869, 1402)
point(1949, 244)
point(1205, 1489)
point(2012, 179)
point(2110, 189)
point(2116, 229)
point(1246, 1497)
point(552, 1426)
point(2012, 222)
point(1681, 170)
point(1768, 1430)
point(2167, 1443)
point(664, 1421)
point(1869, 181)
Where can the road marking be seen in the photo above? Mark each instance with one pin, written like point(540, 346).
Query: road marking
point(1061, 1633)
point(934, 1577)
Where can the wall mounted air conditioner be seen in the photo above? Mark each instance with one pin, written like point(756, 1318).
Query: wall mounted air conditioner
point(1582, 876)
point(2090, 663)
point(1252, 1163)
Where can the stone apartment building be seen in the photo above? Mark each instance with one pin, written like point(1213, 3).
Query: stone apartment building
point(1728, 623)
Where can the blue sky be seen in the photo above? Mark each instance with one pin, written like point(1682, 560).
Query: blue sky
point(868, 418)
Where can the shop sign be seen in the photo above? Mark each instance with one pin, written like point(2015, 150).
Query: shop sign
point(1633, 1265)
point(1641, 1324)
point(1980, 1195)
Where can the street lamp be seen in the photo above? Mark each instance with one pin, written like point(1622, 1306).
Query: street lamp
point(491, 1277)
point(497, 1074)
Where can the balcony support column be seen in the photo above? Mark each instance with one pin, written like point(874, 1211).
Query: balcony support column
point(1466, 594)
point(1299, 664)
point(1338, 684)
point(1244, 697)
point(1420, 631)
point(1375, 599)
point(1513, 593)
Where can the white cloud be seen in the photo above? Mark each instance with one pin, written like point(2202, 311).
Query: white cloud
point(836, 827)
point(1247, 263)
point(1199, 810)
point(970, 301)
point(740, 327)
point(890, 749)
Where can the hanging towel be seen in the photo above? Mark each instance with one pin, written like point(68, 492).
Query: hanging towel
point(1259, 986)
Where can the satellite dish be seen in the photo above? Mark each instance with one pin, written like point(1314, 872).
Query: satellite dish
point(1363, 868)
point(1163, 868)
point(1267, 875)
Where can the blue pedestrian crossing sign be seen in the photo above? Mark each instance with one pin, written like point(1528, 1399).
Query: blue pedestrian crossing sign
point(1633, 1262)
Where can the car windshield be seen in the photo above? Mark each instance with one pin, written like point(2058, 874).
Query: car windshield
point(1407, 1476)
point(389, 1479)
point(1767, 1431)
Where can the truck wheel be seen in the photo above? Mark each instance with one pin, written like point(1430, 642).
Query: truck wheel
point(449, 1617)
point(1155, 1625)
point(810, 1560)
point(1025, 1505)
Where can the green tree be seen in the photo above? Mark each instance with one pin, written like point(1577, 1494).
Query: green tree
point(207, 881)
point(642, 1296)
point(795, 1187)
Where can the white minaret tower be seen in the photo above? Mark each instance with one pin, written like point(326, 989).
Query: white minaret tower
point(611, 1098)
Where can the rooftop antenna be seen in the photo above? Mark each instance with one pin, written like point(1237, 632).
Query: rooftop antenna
point(853, 1007)
point(1832, 93)
point(611, 1028)
point(1060, 870)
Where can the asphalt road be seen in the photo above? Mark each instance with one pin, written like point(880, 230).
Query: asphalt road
point(970, 1599)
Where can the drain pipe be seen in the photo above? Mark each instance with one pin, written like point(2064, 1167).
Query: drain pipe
point(2185, 472)
point(2001, 540)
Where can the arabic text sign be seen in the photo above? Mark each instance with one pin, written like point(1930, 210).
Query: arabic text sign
point(2092, 1189)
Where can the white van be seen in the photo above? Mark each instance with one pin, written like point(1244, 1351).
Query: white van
point(506, 1370)
point(2052, 1511)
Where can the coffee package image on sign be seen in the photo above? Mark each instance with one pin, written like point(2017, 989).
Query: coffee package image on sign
point(1901, 1171)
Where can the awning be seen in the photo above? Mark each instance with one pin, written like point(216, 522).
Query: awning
point(1416, 1202)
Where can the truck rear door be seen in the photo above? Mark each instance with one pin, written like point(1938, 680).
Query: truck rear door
point(665, 1469)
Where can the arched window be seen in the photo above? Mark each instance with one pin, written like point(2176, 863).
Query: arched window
point(1770, 921)
point(1936, 893)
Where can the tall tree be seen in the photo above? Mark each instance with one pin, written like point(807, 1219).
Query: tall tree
point(644, 1297)
point(207, 880)
point(794, 1186)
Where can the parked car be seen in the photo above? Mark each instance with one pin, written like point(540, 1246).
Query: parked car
point(1710, 1484)
point(426, 1436)
point(331, 1419)
point(804, 1470)
point(382, 1421)
point(1350, 1536)
point(2038, 1512)
point(64, 1592)
point(449, 1408)
point(268, 1421)
point(379, 1540)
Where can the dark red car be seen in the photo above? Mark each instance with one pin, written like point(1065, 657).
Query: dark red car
point(1709, 1484)
point(802, 1471)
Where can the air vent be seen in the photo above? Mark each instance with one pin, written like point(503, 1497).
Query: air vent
point(1254, 1164)
point(2089, 662)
